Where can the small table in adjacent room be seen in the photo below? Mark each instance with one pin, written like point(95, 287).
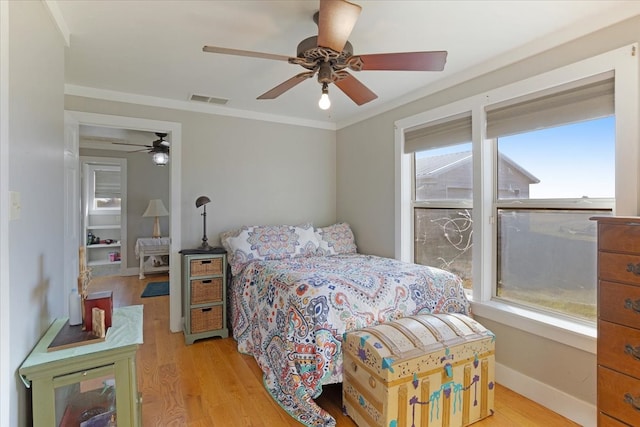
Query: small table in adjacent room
point(93, 383)
point(156, 247)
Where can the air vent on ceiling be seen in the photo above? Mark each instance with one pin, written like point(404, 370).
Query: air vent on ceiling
point(208, 99)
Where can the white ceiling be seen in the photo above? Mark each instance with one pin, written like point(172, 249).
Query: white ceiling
point(151, 51)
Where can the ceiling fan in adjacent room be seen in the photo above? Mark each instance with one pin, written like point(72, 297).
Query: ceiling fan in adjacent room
point(159, 149)
point(330, 55)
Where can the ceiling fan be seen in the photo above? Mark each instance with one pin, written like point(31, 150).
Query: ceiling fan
point(329, 55)
point(159, 148)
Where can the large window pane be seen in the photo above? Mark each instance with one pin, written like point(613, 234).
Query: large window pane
point(443, 238)
point(547, 259)
point(564, 162)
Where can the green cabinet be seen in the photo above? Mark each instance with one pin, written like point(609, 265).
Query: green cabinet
point(93, 384)
point(204, 294)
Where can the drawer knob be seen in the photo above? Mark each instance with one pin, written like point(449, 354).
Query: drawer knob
point(633, 401)
point(632, 351)
point(635, 269)
point(632, 305)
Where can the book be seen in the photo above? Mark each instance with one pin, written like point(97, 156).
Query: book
point(98, 326)
point(72, 336)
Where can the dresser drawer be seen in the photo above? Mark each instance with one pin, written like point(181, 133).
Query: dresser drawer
point(606, 421)
point(619, 303)
point(620, 237)
point(206, 319)
point(616, 395)
point(619, 267)
point(206, 267)
point(619, 347)
point(206, 290)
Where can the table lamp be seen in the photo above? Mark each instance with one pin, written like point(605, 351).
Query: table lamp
point(202, 201)
point(156, 209)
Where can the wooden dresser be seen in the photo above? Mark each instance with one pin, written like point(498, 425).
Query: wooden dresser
point(618, 321)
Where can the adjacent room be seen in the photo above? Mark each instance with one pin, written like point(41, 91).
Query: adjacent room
point(285, 213)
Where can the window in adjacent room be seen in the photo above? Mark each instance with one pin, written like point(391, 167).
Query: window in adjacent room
point(105, 182)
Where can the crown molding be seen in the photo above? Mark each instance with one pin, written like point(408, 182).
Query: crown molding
point(153, 101)
point(58, 19)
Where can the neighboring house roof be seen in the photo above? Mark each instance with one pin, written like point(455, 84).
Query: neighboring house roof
point(437, 165)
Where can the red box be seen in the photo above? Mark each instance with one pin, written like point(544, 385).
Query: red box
point(103, 300)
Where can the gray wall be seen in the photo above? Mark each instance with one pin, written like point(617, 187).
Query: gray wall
point(365, 199)
point(254, 172)
point(36, 165)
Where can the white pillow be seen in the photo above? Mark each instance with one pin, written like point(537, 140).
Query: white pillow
point(268, 242)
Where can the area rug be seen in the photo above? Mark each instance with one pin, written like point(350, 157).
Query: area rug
point(155, 289)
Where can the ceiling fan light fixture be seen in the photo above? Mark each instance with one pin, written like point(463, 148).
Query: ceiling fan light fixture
point(160, 157)
point(324, 103)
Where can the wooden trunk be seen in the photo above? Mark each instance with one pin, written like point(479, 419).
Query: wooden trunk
point(425, 370)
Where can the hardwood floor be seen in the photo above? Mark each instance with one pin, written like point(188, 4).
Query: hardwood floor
point(210, 384)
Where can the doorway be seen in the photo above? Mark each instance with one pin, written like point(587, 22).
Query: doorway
point(174, 131)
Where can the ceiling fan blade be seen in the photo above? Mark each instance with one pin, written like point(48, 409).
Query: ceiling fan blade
point(238, 52)
point(129, 144)
point(285, 86)
point(335, 23)
point(402, 61)
point(354, 89)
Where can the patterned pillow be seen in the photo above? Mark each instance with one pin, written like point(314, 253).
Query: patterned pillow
point(268, 242)
point(336, 239)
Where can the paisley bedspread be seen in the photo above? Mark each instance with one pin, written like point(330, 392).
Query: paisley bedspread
point(291, 316)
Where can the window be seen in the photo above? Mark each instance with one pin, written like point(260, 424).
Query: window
point(104, 185)
point(555, 170)
point(443, 194)
point(545, 154)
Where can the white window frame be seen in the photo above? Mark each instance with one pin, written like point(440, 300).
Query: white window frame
point(624, 63)
point(91, 169)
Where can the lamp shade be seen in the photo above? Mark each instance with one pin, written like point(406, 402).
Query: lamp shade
point(156, 208)
point(202, 200)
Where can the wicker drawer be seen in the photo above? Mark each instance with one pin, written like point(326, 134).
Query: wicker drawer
point(619, 348)
point(206, 267)
point(206, 290)
point(619, 303)
point(620, 237)
point(619, 267)
point(206, 319)
point(616, 394)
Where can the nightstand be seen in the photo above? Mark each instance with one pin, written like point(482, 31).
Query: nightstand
point(93, 382)
point(204, 295)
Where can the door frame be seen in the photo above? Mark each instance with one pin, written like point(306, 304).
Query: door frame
point(174, 130)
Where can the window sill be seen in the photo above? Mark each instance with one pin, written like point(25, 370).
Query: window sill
point(572, 333)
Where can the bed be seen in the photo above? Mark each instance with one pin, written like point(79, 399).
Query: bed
point(296, 290)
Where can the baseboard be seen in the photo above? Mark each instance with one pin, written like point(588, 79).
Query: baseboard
point(558, 401)
point(132, 271)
